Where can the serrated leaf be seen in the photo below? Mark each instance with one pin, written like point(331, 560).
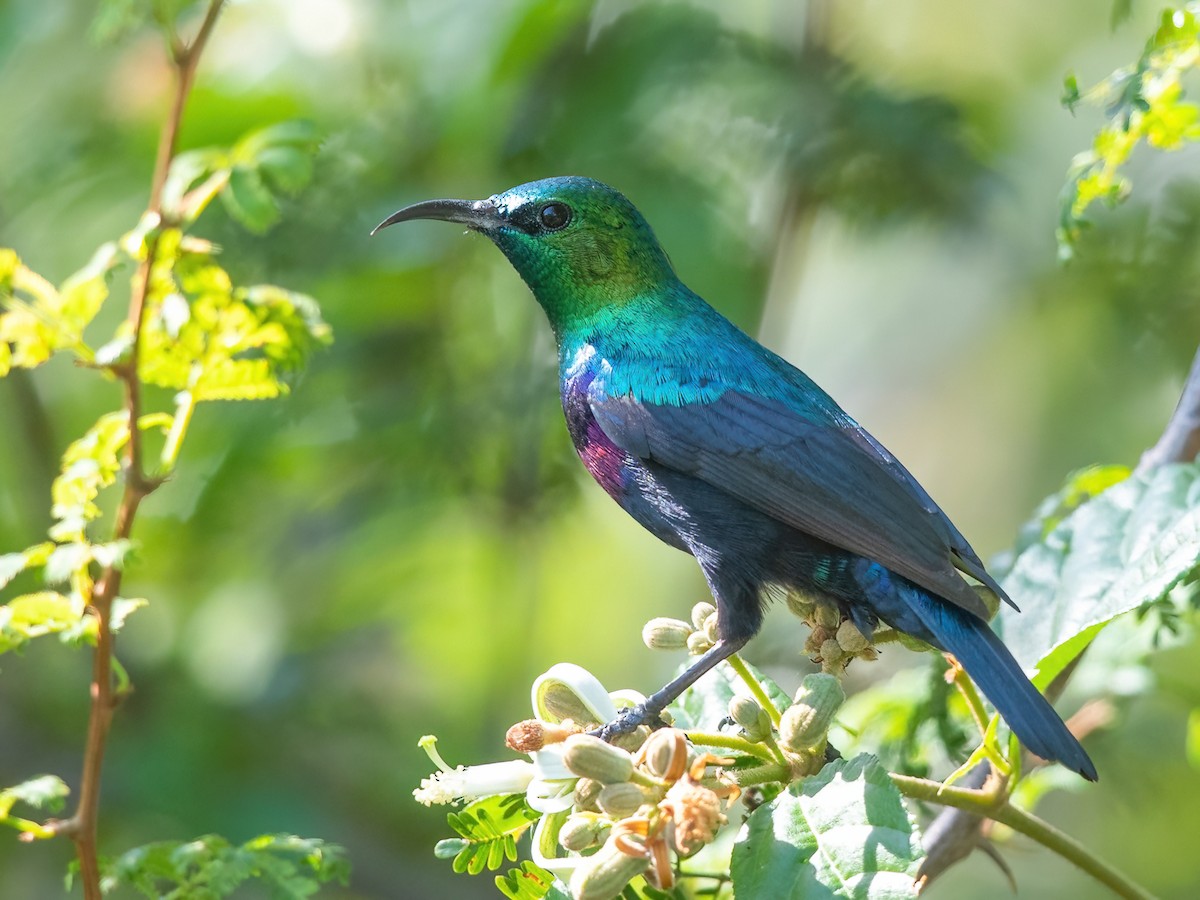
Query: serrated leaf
point(89, 465)
point(842, 833)
point(1128, 546)
point(706, 703)
point(66, 560)
point(34, 615)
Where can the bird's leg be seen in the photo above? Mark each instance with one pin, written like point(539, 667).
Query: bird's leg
point(649, 711)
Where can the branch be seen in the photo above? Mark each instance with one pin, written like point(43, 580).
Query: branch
point(81, 827)
point(952, 835)
point(1180, 440)
point(985, 804)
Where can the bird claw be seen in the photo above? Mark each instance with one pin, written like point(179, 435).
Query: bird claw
point(629, 720)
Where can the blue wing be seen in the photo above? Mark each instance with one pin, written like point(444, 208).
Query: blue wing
point(832, 481)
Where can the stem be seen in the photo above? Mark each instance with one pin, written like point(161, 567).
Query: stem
point(762, 775)
point(755, 688)
point(729, 742)
point(81, 827)
point(185, 405)
point(986, 805)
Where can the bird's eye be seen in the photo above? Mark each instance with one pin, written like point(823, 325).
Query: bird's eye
point(554, 216)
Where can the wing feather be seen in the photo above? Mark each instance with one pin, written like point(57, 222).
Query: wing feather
point(835, 483)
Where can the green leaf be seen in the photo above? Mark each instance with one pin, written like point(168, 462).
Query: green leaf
point(1127, 547)
point(1193, 738)
point(210, 867)
point(249, 200)
point(89, 465)
point(219, 342)
point(529, 881)
point(706, 703)
point(34, 615)
point(48, 792)
point(842, 833)
point(487, 827)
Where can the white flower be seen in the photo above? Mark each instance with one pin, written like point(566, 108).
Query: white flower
point(472, 782)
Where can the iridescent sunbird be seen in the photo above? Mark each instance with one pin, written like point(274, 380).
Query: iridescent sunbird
point(726, 451)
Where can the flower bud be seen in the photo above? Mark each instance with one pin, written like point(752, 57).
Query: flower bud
point(700, 612)
point(532, 735)
point(801, 605)
point(828, 616)
point(805, 724)
point(831, 651)
point(850, 638)
point(586, 793)
point(621, 800)
point(589, 757)
point(753, 718)
point(666, 634)
point(666, 754)
point(604, 875)
point(581, 832)
point(698, 643)
point(632, 741)
point(711, 629)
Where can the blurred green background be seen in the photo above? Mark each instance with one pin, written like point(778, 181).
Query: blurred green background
point(405, 542)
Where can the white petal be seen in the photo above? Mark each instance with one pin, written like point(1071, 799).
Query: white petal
point(582, 683)
point(473, 782)
point(550, 796)
point(549, 763)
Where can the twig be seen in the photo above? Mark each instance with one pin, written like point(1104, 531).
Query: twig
point(985, 804)
point(81, 827)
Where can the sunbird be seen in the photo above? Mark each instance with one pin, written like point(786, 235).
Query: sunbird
point(726, 451)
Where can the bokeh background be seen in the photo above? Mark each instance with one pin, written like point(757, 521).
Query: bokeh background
point(405, 542)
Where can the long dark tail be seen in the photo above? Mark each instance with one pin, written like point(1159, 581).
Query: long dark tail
point(988, 662)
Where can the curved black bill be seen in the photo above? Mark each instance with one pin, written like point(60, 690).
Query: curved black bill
point(480, 214)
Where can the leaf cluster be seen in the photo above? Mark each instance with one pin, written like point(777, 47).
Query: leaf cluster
point(1145, 102)
point(488, 831)
point(210, 867)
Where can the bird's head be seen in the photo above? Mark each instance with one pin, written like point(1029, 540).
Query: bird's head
point(579, 244)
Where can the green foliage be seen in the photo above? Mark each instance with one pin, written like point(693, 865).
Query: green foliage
point(37, 320)
point(529, 881)
point(204, 336)
point(489, 828)
point(706, 702)
point(46, 792)
point(905, 719)
point(1144, 102)
point(249, 177)
point(209, 867)
point(842, 833)
point(1127, 547)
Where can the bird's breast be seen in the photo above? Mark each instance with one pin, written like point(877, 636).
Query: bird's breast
point(604, 460)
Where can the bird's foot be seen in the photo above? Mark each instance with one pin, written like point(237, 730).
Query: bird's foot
point(629, 720)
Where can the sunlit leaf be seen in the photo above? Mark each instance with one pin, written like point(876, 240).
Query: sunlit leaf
point(46, 792)
point(842, 833)
point(33, 615)
point(1126, 547)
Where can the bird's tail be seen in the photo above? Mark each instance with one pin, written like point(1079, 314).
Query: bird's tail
point(999, 676)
